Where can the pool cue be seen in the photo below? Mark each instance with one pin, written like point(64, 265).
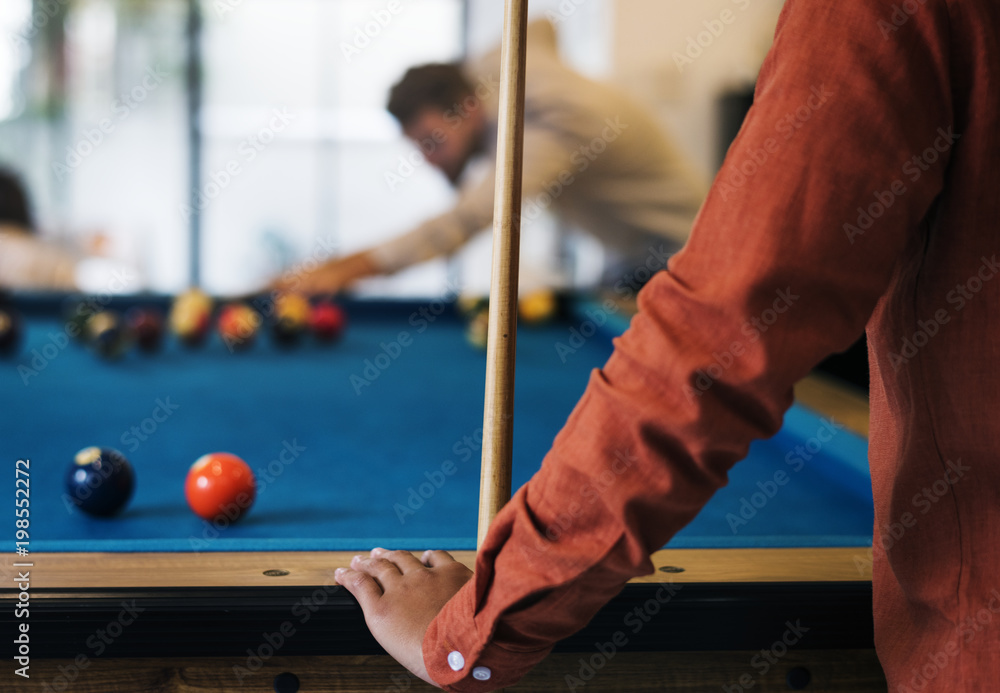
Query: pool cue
point(498, 413)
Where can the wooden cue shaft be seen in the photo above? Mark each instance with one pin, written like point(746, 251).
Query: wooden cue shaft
point(498, 416)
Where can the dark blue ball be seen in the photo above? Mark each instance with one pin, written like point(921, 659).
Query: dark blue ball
point(100, 482)
point(107, 335)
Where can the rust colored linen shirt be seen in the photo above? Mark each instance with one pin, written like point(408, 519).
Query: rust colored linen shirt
point(864, 189)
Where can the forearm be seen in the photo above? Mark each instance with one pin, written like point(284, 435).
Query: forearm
point(358, 266)
point(434, 238)
point(331, 277)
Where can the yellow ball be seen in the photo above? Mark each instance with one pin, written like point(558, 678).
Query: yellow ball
point(197, 298)
point(292, 308)
point(537, 307)
point(191, 315)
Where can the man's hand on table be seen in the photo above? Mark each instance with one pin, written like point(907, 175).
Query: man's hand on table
point(331, 277)
point(400, 596)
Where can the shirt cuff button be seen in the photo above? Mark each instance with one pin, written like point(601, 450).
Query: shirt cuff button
point(482, 673)
point(456, 661)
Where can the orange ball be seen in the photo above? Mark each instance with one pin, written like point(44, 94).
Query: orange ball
point(220, 487)
point(238, 325)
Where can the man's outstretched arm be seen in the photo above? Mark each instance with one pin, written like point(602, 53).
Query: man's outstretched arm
point(545, 158)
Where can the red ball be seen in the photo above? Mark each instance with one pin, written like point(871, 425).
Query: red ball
point(327, 321)
point(220, 485)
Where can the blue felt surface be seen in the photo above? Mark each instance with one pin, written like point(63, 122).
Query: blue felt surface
point(350, 487)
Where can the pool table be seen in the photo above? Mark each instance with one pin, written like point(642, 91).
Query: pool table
point(372, 441)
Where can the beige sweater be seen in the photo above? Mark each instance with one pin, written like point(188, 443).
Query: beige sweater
point(591, 155)
point(29, 263)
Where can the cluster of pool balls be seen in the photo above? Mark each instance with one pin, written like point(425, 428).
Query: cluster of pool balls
point(101, 481)
point(291, 316)
point(534, 308)
point(191, 318)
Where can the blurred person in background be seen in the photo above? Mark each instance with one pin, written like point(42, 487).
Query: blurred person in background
point(591, 155)
point(27, 262)
point(30, 263)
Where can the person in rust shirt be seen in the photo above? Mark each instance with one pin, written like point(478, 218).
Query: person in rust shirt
point(866, 185)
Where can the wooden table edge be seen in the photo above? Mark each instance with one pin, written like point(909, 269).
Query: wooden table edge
point(305, 568)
